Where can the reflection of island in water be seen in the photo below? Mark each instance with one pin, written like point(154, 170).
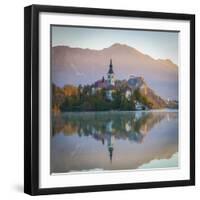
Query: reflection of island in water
point(114, 140)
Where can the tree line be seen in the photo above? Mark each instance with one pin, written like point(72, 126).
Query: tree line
point(81, 98)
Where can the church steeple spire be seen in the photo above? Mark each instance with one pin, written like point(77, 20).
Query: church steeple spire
point(110, 67)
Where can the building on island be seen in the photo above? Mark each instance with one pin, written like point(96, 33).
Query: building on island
point(128, 93)
point(110, 82)
point(107, 84)
point(111, 75)
point(110, 85)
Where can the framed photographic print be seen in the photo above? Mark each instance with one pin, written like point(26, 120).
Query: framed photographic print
point(109, 99)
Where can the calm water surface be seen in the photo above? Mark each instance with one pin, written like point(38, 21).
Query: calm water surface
point(114, 141)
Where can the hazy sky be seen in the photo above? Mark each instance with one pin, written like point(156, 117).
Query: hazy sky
point(157, 44)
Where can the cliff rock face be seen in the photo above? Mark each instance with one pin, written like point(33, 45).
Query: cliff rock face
point(155, 100)
point(138, 83)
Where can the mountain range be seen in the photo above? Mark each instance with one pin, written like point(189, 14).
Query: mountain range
point(76, 66)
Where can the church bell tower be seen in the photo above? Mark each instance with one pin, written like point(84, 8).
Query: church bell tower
point(111, 75)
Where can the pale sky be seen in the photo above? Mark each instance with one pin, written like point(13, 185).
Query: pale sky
point(157, 44)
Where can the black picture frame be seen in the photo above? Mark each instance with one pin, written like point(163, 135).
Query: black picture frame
point(31, 98)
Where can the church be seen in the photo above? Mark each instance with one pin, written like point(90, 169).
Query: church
point(110, 82)
point(107, 84)
point(111, 75)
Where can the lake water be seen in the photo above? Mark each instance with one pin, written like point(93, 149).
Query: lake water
point(114, 141)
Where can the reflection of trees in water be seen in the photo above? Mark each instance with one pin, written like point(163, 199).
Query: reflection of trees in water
point(121, 125)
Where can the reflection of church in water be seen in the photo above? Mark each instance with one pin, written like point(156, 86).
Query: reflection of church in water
point(110, 139)
point(133, 127)
point(135, 136)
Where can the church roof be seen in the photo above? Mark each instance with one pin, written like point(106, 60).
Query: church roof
point(100, 84)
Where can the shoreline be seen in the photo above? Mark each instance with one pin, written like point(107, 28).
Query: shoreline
point(116, 111)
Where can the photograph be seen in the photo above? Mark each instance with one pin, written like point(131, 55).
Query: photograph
point(109, 99)
point(114, 99)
